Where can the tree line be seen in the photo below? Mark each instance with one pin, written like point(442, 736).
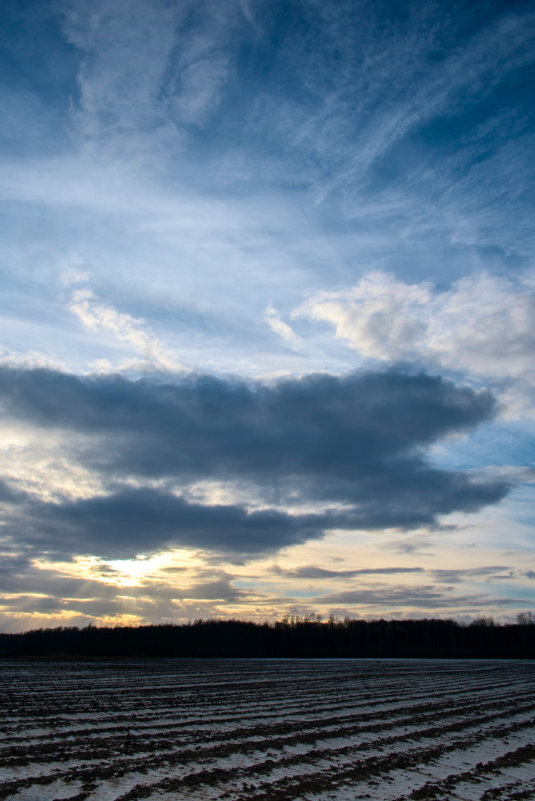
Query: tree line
point(288, 638)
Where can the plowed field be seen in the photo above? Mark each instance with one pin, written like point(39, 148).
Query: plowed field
point(267, 730)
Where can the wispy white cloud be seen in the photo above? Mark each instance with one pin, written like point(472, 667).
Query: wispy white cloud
point(277, 324)
point(248, 13)
point(71, 269)
point(200, 83)
point(368, 134)
point(143, 112)
point(116, 95)
point(383, 62)
point(97, 316)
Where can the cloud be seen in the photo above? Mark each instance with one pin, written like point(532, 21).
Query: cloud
point(35, 581)
point(129, 522)
point(483, 324)
point(218, 590)
point(453, 576)
point(313, 572)
point(114, 94)
point(12, 567)
point(8, 494)
point(357, 112)
point(273, 319)
point(323, 426)
point(99, 316)
point(201, 83)
point(381, 317)
point(427, 597)
point(187, 52)
point(355, 442)
point(72, 270)
point(32, 588)
point(28, 358)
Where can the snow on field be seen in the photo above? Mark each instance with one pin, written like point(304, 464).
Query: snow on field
point(267, 730)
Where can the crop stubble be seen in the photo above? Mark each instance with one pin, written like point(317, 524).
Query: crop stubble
point(268, 730)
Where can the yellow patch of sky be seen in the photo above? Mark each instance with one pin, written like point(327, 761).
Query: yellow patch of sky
point(42, 619)
point(125, 619)
point(126, 572)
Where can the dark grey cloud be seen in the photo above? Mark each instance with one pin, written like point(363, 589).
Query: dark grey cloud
point(131, 521)
point(135, 520)
point(453, 576)
point(312, 572)
point(218, 590)
point(39, 581)
point(8, 494)
point(427, 597)
point(417, 544)
point(320, 425)
point(358, 439)
point(52, 604)
point(13, 566)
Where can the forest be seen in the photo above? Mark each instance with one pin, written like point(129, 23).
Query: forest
point(288, 638)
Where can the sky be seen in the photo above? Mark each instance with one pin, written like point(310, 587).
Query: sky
point(267, 331)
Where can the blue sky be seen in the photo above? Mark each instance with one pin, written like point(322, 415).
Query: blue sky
point(268, 318)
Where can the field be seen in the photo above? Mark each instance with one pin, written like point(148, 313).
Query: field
point(267, 730)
